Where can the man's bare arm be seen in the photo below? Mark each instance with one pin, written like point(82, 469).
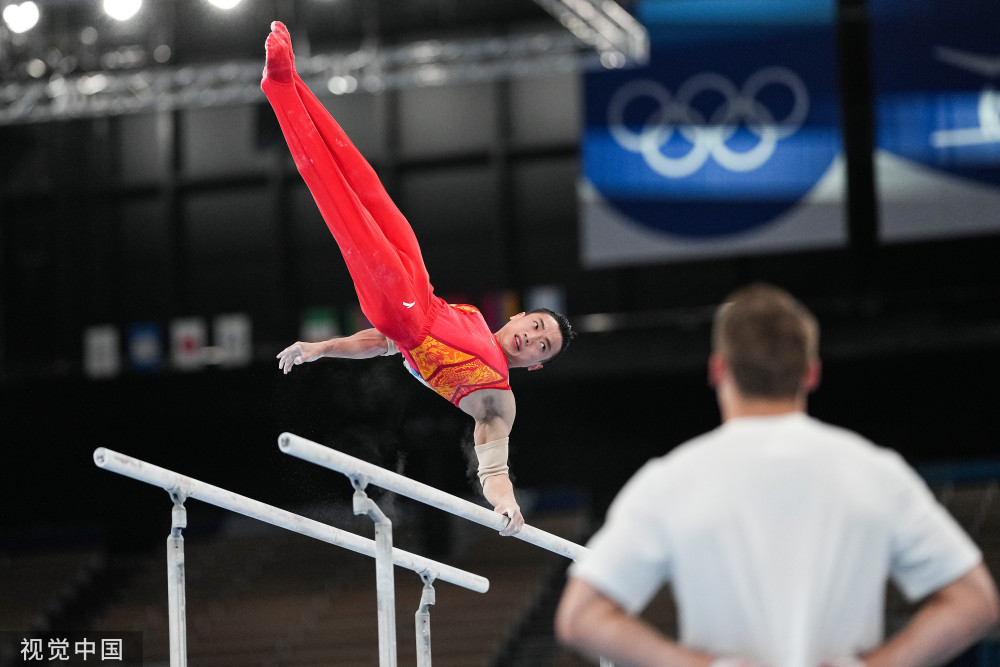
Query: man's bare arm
point(494, 411)
point(361, 345)
point(593, 624)
point(951, 620)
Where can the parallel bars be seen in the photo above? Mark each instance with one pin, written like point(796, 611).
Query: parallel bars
point(181, 487)
point(355, 468)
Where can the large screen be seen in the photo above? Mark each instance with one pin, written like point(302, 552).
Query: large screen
point(937, 71)
point(728, 142)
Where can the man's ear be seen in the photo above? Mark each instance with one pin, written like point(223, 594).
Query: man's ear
point(716, 369)
point(813, 374)
point(535, 367)
point(514, 317)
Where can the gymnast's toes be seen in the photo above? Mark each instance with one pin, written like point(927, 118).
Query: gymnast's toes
point(278, 65)
point(279, 28)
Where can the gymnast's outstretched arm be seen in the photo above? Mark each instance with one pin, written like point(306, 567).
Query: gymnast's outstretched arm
point(361, 345)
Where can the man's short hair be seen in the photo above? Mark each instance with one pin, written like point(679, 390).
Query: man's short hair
point(564, 328)
point(768, 339)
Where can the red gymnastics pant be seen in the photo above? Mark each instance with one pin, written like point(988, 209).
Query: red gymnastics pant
point(375, 239)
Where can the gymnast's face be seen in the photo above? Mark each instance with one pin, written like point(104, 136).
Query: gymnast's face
point(529, 340)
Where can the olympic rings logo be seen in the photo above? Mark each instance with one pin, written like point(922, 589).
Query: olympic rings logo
point(675, 114)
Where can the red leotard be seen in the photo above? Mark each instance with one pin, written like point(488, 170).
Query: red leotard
point(459, 355)
point(450, 347)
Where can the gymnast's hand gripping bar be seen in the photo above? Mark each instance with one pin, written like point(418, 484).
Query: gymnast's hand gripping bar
point(180, 486)
point(313, 452)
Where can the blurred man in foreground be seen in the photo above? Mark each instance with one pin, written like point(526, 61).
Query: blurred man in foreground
point(776, 531)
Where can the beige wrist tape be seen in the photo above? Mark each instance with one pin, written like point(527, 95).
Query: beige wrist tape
point(391, 348)
point(492, 458)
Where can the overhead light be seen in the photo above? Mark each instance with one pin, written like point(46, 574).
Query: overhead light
point(342, 85)
point(225, 4)
point(161, 53)
point(89, 35)
point(21, 18)
point(92, 84)
point(36, 68)
point(431, 75)
point(122, 10)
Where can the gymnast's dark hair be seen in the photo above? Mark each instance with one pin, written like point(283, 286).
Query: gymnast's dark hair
point(564, 328)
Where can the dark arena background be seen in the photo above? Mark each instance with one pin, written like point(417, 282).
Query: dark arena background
point(158, 249)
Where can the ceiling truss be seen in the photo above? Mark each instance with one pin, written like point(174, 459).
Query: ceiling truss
point(597, 33)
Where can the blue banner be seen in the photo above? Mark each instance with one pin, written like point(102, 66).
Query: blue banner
point(727, 142)
point(145, 347)
point(937, 68)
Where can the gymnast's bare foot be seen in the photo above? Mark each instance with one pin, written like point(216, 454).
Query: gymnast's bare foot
point(280, 62)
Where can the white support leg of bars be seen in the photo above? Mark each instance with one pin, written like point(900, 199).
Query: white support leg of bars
point(385, 586)
point(422, 620)
point(176, 598)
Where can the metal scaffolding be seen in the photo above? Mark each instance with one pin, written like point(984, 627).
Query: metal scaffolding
point(598, 33)
point(604, 25)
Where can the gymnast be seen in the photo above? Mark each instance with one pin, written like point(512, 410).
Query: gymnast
point(448, 347)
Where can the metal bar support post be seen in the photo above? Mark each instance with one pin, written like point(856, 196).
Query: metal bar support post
point(176, 598)
point(422, 620)
point(385, 586)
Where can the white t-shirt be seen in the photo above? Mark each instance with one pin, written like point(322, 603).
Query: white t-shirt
point(778, 535)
